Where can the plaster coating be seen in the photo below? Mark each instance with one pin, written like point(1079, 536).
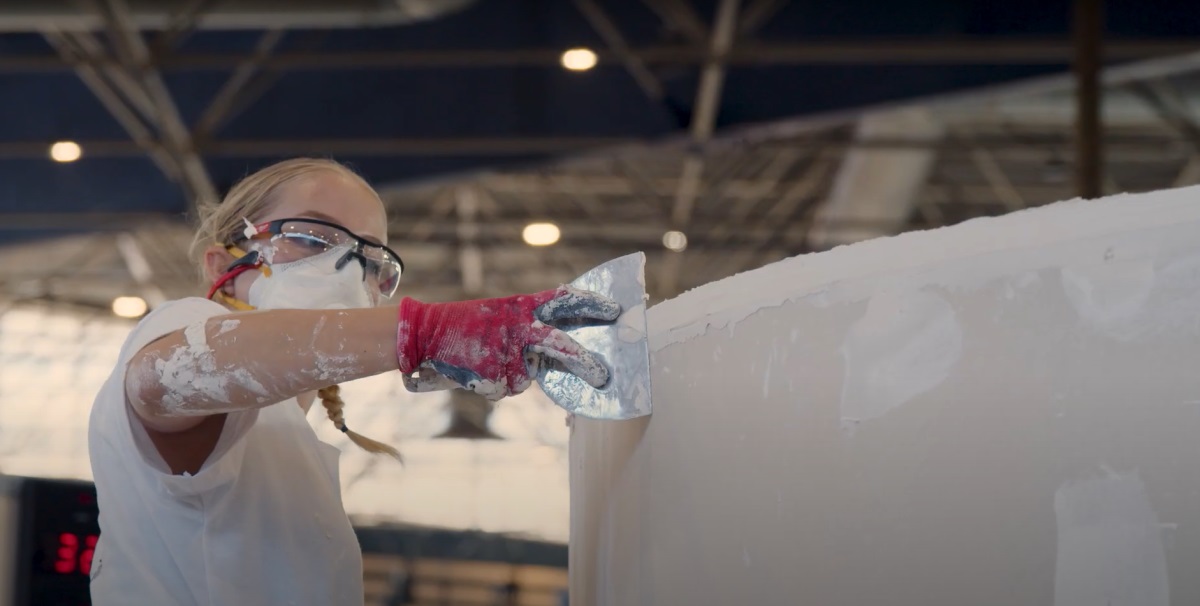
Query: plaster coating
point(1001, 412)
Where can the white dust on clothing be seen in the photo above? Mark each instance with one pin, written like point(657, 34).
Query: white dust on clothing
point(192, 381)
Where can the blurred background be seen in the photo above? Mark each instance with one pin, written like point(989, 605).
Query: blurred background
point(516, 144)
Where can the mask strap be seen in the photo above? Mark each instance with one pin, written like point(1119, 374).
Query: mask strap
point(234, 303)
point(244, 262)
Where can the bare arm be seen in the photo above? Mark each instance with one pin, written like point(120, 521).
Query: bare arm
point(249, 360)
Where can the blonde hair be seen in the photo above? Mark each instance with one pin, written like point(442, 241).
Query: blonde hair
point(251, 198)
point(331, 399)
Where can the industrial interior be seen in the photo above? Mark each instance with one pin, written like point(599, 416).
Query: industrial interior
point(516, 145)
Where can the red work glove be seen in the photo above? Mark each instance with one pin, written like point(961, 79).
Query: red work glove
point(495, 347)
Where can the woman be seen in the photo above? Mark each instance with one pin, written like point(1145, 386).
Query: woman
point(213, 488)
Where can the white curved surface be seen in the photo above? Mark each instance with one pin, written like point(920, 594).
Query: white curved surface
point(1001, 412)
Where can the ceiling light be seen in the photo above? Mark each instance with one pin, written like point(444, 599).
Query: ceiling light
point(579, 59)
point(129, 307)
point(675, 240)
point(541, 234)
point(65, 151)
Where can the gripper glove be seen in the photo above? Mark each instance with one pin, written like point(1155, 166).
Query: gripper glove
point(495, 347)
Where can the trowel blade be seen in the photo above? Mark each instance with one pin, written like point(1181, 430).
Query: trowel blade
point(622, 346)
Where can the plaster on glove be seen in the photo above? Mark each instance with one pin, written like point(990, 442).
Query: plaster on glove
point(495, 347)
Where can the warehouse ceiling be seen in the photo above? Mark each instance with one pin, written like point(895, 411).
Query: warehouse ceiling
point(757, 128)
point(752, 130)
point(764, 193)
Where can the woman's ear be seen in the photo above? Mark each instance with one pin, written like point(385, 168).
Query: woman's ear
point(216, 261)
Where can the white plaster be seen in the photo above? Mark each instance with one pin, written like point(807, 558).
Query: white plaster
point(981, 382)
point(630, 326)
point(193, 382)
point(335, 368)
point(906, 344)
point(196, 336)
point(228, 326)
point(1110, 295)
point(1110, 548)
point(823, 277)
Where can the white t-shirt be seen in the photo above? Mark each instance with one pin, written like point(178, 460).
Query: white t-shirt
point(262, 522)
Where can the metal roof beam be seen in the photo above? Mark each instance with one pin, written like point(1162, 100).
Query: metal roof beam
point(444, 230)
point(87, 46)
point(704, 120)
point(234, 90)
point(134, 53)
point(1023, 146)
point(985, 162)
point(1189, 174)
point(139, 268)
point(438, 146)
point(876, 184)
point(679, 15)
point(779, 221)
point(470, 256)
point(180, 25)
point(117, 107)
point(758, 14)
point(889, 51)
point(611, 35)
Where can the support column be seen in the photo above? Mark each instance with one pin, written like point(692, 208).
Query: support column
point(1089, 152)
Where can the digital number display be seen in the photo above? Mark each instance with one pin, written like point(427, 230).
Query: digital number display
point(74, 553)
point(59, 531)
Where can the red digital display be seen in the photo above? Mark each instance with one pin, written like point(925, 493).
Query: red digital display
point(74, 554)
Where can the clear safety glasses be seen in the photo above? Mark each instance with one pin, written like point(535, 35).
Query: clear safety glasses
point(296, 239)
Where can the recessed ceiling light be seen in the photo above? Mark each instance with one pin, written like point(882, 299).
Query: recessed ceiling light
point(541, 234)
point(65, 151)
point(579, 59)
point(675, 240)
point(129, 307)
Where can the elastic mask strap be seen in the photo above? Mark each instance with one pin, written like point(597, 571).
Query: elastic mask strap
point(234, 303)
point(244, 262)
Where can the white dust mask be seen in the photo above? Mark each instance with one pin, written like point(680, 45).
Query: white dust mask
point(312, 283)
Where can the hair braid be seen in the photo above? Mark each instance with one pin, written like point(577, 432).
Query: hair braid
point(331, 399)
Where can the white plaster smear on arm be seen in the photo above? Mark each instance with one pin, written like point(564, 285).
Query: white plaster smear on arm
point(192, 382)
point(335, 368)
point(227, 326)
point(948, 257)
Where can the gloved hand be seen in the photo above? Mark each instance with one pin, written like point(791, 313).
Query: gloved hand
point(495, 347)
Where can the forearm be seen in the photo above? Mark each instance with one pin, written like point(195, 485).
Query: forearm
point(249, 360)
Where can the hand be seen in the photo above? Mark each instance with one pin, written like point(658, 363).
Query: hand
point(495, 347)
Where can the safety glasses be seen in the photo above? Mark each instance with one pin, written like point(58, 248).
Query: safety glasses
point(296, 239)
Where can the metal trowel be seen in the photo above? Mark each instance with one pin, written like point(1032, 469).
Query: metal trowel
point(621, 345)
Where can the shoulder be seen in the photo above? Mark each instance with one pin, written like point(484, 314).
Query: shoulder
point(187, 308)
point(169, 317)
